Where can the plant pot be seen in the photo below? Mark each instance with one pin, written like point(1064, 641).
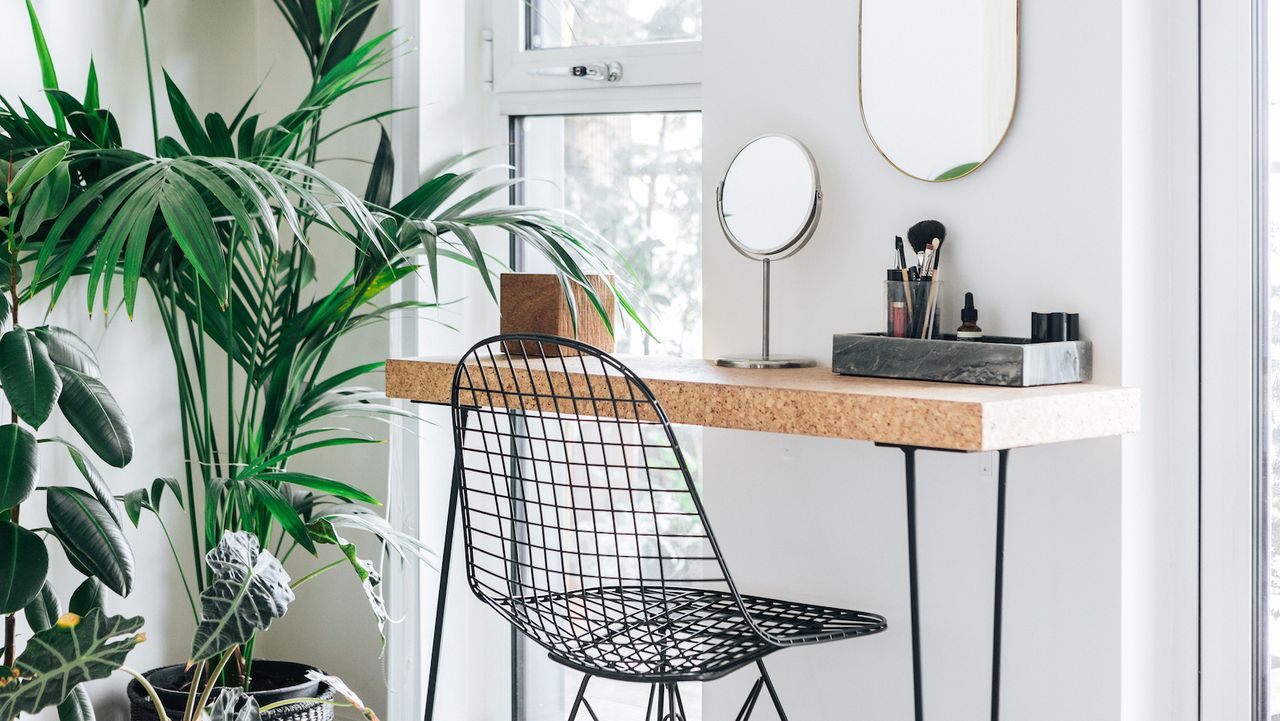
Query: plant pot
point(272, 681)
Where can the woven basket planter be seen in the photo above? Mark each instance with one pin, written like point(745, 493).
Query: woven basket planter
point(272, 681)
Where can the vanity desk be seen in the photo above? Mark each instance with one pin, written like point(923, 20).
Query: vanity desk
point(910, 416)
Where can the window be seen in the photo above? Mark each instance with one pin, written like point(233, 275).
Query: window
point(619, 144)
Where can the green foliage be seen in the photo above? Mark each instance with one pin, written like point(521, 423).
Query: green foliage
point(91, 537)
point(23, 555)
point(248, 590)
point(74, 650)
point(18, 465)
point(28, 375)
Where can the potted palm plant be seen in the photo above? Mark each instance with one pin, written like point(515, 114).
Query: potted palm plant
point(218, 224)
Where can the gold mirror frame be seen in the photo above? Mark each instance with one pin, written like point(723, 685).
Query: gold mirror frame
point(1013, 111)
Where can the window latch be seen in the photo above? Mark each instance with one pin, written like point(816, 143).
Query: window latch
point(602, 72)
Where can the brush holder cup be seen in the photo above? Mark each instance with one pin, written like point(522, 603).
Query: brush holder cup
point(913, 308)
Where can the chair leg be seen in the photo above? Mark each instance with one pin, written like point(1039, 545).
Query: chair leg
point(749, 704)
point(773, 692)
point(580, 701)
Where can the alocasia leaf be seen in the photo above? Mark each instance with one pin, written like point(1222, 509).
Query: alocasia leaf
point(29, 377)
point(249, 590)
point(233, 704)
point(76, 649)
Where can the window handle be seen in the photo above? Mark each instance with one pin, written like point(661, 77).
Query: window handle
point(602, 72)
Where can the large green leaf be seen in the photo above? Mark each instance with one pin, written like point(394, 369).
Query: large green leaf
point(87, 596)
point(76, 707)
point(324, 485)
point(48, 74)
point(69, 350)
point(75, 650)
point(46, 201)
point(43, 611)
point(91, 477)
point(19, 466)
point(249, 590)
point(29, 377)
point(94, 542)
point(25, 563)
point(96, 416)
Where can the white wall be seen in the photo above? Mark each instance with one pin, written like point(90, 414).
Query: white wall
point(1041, 227)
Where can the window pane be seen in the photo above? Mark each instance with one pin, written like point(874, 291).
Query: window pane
point(637, 179)
point(574, 23)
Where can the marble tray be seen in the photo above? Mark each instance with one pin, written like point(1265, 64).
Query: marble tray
point(993, 361)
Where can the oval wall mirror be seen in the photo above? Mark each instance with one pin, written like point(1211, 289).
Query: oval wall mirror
point(938, 81)
point(769, 204)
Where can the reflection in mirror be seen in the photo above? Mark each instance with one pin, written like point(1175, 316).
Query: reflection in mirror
point(767, 200)
point(938, 81)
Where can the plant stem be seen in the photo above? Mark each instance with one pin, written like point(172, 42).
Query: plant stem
point(186, 585)
point(151, 81)
point(303, 699)
point(151, 691)
point(213, 681)
point(191, 696)
point(297, 584)
point(10, 621)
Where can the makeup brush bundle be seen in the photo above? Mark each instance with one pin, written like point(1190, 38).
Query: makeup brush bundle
point(914, 285)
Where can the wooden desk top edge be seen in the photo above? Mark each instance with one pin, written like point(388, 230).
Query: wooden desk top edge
point(816, 402)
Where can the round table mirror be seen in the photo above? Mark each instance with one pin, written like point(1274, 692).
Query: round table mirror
point(769, 203)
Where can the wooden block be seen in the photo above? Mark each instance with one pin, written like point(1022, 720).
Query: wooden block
point(535, 303)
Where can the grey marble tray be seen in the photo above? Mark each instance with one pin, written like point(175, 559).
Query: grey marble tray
point(993, 361)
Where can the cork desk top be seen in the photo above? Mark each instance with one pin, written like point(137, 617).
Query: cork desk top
point(815, 402)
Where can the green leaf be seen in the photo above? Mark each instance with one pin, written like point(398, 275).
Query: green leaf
point(94, 542)
point(46, 201)
point(323, 531)
point(25, 563)
point(75, 650)
point(94, 413)
point(69, 350)
point(233, 704)
point(91, 477)
point(188, 122)
point(87, 597)
point(29, 377)
point(382, 175)
point(42, 612)
point(76, 707)
point(959, 171)
point(249, 590)
point(283, 511)
point(19, 465)
point(48, 75)
point(324, 485)
point(37, 167)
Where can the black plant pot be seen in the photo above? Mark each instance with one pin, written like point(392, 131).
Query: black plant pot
point(272, 681)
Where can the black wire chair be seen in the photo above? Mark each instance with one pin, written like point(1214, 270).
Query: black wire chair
point(584, 530)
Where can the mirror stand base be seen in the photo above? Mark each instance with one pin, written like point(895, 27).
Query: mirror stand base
point(773, 361)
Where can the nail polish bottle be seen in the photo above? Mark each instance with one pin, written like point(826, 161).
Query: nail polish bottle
point(968, 329)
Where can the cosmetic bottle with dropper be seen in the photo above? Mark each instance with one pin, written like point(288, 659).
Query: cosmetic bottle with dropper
point(968, 329)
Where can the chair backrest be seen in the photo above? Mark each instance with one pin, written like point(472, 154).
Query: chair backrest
point(574, 491)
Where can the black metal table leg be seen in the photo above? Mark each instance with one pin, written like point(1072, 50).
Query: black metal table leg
point(998, 616)
point(909, 455)
point(445, 555)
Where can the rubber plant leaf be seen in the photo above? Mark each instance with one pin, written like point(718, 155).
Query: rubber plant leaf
point(18, 465)
point(94, 542)
point(76, 707)
point(29, 377)
point(44, 611)
point(69, 350)
point(94, 413)
point(249, 590)
point(87, 597)
point(26, 564)
point(75, 650)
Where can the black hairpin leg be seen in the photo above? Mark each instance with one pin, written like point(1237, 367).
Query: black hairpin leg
point(999, 600)
point(909, 456)
point(445, 555)
point(909, 453)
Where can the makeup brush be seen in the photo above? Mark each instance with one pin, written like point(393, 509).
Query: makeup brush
point(906, 275)
point(925, 232)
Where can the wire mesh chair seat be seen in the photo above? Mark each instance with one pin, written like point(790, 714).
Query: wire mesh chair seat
point(681, 634)
point(583, 528)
